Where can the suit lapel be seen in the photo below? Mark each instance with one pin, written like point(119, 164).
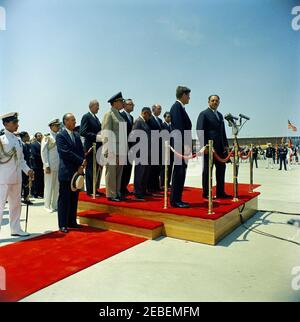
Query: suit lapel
point(213, 116)
point(97, 120)
point(67, 136)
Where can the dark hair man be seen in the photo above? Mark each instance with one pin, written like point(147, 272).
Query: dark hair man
point(181, 122)
point(212, 123)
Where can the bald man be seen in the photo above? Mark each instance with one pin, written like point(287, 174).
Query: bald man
point(71, 160)
point(90, 128)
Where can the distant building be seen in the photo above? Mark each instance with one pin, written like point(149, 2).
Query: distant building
point(264, 140)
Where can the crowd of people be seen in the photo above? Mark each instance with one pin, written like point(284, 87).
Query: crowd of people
point(281, 156)
point(52, 165)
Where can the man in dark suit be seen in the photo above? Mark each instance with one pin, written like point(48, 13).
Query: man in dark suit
point(90, 129)
point(37, 166)
point(167, 125)
point(212, 123)
point(71, 160)
point(27, 157)
point(155, 124)
point(126, 174)
point(142, 169)
point(182, 123)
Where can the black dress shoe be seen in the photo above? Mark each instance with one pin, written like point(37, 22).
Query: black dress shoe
point(123, 198)
point(206, 197)
point(76, 226)
point(185, 203)
point(114, 199)
point(139, 198)
point(97, 195)
point(225, 196)
point(180, 205)
point(64, 230)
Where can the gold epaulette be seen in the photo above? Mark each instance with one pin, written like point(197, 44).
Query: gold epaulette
point(9, 155)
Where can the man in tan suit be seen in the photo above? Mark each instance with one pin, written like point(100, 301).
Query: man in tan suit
point(114, 136)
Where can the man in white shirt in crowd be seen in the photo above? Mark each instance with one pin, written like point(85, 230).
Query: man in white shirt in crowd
point(50, 160)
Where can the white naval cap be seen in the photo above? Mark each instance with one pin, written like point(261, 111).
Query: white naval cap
point(55, 121)
point(10, 117)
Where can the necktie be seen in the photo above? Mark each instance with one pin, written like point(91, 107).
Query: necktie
point(72, 137)
point(217, 116)
point(157, 121)
point(95, 116)
point(129, 118)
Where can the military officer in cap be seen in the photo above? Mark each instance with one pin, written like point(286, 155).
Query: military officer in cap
point(114, 123)
point(50, 160)
point(12, 164)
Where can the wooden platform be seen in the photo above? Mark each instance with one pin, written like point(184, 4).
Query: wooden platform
point(202, 230)
point(129, 225)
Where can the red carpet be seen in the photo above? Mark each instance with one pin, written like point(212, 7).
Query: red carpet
point(120, 219)
point(41, 261)
point(192, 195)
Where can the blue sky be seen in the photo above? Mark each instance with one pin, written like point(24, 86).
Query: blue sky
point(55, 56)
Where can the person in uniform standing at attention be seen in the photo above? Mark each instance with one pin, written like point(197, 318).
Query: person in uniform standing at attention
point(269, 156)
point(126, 174)
point(282, 151)
point(114, 122)
point(181, 122)
point(90, 128)
point(274, 154)
point(289, 156)
point(12, 164)
point(255, 154)
point(212, 123)
point(50, 160)
point(37, 166)
point(71, 161)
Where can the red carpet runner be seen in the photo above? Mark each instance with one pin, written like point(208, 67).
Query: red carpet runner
point(41, 261)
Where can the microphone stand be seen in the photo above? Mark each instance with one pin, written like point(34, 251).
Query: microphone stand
point(236, 127)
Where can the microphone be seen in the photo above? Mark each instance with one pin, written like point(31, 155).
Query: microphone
point(244, 117)
point(229, 117)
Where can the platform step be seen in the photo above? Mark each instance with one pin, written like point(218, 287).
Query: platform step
point(140, 227)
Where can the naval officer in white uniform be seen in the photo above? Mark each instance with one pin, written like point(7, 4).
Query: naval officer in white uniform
point(12, 164)
point(50, 160)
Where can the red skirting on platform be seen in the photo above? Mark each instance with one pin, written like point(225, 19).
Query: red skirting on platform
point(198, 205)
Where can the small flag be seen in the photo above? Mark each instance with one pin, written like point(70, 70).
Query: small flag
point(292, 127)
